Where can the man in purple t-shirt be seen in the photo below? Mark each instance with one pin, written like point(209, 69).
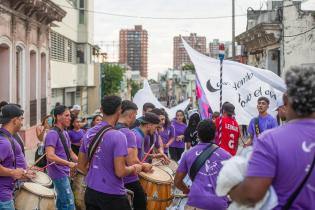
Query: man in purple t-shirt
point(283, 157)
point(127, 119)
point(201, 194)
point(104, 179)
point(12, 162)
point(263, 122)
point(61, 157)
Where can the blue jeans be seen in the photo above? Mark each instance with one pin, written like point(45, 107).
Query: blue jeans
point(65, 198)
point(7, 205)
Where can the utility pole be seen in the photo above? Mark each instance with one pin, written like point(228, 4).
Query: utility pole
point(233, 29)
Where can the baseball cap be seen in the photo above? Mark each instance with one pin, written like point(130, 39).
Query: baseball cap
point(150, 118)
point(76, 107)
point(228, 108)
point(9, 112)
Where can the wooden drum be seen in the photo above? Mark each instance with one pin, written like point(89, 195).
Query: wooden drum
point(170, 168)
point(78, 188)
point(157, 186)
point(42, 179)
point(34, 196)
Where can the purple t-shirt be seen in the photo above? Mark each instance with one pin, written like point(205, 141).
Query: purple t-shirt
point(265, 123)
point(148, 139)
point(202, 192)
point(140, 142)
point(285, 154)
point(101, 175)
point(56, 171)
point(179, 130)
point(131, 143)
point(166, 135)
point(76, 136)
point(6, 160)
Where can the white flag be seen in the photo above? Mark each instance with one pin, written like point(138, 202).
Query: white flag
point(242, 84)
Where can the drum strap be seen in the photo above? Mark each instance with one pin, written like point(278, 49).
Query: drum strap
point(12, 145)
point(294, 195)
point(96, 141)
point(201, 159)
point(63, 141)
point(257, 129)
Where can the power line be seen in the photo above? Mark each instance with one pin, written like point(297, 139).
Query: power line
point(299, 34)
point(150, 17)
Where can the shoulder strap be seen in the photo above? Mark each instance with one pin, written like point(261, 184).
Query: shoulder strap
point(201, 159)
point(12, 145)
point(63, 141)
point(96, 141)
point(19, 140)
point(257, 129)
point(294, 195)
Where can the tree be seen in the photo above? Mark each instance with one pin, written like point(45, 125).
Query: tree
point(189, 67)
point(135, 86)
point(112, 76)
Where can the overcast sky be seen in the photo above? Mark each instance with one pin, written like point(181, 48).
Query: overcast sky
point(161, 32)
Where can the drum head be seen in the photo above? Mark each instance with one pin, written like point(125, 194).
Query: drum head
point(42, 179)
point(157, 176)
point(38, 189)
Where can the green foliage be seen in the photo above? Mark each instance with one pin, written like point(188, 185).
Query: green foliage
point(189, 67)
point(112, 75)
point(135, 86)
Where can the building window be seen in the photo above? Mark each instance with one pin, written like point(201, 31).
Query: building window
point(57, 47)
point(81, 5)
point(80, 53)
point(81, 17)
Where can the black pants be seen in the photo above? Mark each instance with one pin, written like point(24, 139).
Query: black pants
point(95, 200)
point(140, 198)
point(75, 149)
point(176, 153)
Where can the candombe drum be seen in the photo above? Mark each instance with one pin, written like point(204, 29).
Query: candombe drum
point(78, 188)
point(157, 186)
point(34, 196)
point(170, 168)
point(42, 179)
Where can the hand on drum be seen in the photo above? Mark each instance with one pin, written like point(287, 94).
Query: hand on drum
point(165, 159)
point(17, 173)
point(72, 165)
point(147, 168)
point(137, 168)
point(30, 174)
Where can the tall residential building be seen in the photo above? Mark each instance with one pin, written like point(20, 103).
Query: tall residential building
point(133, 49)
point(181, 57)
point(73, 69)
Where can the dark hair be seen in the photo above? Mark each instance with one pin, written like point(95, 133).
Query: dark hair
point(300, 83)
point(128, 105)
point(206, 130)
point(215, 114)
point(44, 119)
point(94, 118)
point(157, 111)
point(110, 104)
point(167, 119)
point(57, 104)
point(58, 110)
point(193, 121)
point(3, 103)
point(73, 118)
point(181, 111)
point(263, 98)
point(147, 106)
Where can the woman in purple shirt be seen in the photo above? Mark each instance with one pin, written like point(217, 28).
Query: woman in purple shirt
point(284, 156)
point(178, 146)
point(76, 134)
point(166, 132)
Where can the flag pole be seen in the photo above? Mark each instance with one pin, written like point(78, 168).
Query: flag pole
point(221, 57)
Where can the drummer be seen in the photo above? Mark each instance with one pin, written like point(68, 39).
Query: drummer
point(202, 194)
point(12, 162)
point(148, 125)
point(61, 157)
point(127, 119)
point(105, 187)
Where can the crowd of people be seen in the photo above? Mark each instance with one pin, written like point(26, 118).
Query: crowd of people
point(116, 147)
